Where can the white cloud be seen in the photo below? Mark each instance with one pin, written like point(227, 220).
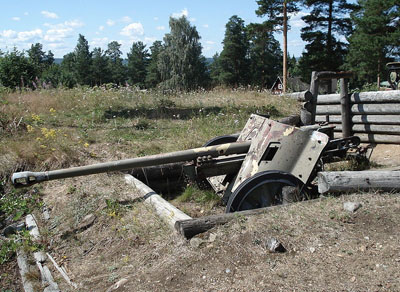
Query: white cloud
point(110, 22)
point(126, 19)
point(205, 25)
point(22, 36)
point(101, 27)
point(192, 19)
point(184, 12)
point(149, 40)
point(8, 33)
point(161, 27)
point(59, 32)
point(295, 19)
point(16, 18)
point(155, 18)
point(210, 42)
point(133, 29)
point(49, 14)
point(99, 42)
point(296, 43)
point(74, 23)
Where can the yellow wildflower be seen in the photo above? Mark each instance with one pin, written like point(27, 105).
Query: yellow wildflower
point(29, 128)
point(86, 145)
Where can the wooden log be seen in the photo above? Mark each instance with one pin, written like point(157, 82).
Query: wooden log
point(300, 96)
point(376, 97)
point(327, 75)
point(328, 98)
point(314, 87)
point(192, 227)
point(168, 212)
point(345, 108)
point(371, 128)
point(375, 138)
point(363, 119)
point(391, 96)
point(293, 120)
point(358, 109)
point(347, 181)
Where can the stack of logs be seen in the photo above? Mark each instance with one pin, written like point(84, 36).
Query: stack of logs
point(374, 116)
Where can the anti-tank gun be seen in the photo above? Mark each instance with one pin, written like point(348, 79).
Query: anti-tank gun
point(268, 163)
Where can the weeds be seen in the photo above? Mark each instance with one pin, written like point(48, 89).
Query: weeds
point(193, 193)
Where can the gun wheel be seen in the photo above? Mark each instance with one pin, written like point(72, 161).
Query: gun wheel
point(265, 189)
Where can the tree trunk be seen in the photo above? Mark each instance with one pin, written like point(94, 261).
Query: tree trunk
point(285, 75)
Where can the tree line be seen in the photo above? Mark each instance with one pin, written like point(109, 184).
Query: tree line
point(339, 35)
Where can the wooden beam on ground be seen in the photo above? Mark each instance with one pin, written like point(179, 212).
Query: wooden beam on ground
point(192, 227)
point(168, 212)
point(362, 119)
point(350, 181)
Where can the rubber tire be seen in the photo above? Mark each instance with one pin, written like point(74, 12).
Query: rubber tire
point(242, 192)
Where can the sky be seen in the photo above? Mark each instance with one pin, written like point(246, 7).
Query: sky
point(57, 24)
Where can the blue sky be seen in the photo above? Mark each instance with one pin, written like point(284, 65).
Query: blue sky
point(57, 24)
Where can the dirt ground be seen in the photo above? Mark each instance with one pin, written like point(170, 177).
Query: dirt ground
point(328, 248)
point(386, 155)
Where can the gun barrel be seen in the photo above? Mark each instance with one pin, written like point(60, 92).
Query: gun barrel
point(26, 178)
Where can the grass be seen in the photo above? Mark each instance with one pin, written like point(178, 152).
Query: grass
point(58, 128)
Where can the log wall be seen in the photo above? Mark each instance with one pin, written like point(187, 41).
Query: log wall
point(375, 116)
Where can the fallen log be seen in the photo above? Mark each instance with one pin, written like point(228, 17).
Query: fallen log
point(192, 227)
point(168, 212)
point(362, 119)
point(347, 181)
point(357, 109)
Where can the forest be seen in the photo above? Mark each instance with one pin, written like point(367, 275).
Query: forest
point(339, 34)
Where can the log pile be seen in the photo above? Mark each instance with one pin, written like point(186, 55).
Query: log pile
point(375, 116)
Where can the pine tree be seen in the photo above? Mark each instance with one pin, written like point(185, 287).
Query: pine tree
point(138, 59)
point(327, 22)
point(181, 65)
point(40, 60)
point(233, 61)
point(376, 39)
point(115, 65)
point(265, 55)
point(83, 61)
point(100, 72)
point(16, 70)
point(277, 12)
point(215, 70)
point(153, 76)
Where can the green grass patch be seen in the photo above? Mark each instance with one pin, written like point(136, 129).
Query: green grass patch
point(194, 194)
